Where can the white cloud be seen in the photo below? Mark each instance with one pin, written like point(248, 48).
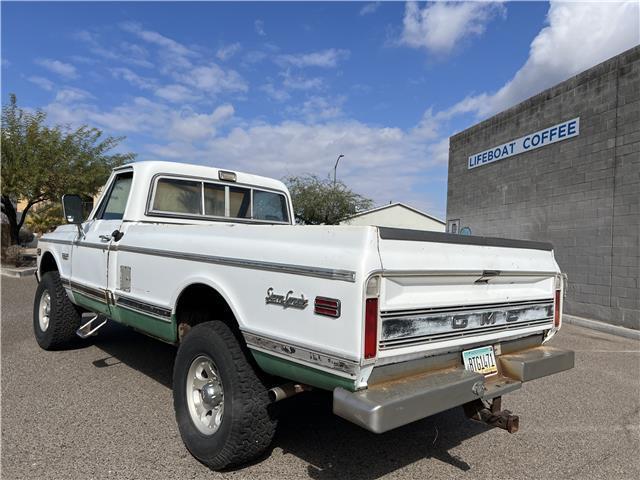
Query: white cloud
point(429, 125)
point(137, 115)
point(290, 83)
point(175, 150)
point(126, 52)
point(577, 37)
point(254, 56)
point(325, 58)
point(277, 94)
point(135, 55)
point(319, 109)
point(133, 78)
point(370, 8)
point(300, 82)
point(227, 51)
point(175, 93)
point(384, 163)
point(72, 95)
point(140, 115)
point(440, 26)
point(259, 26)
point(65, 70)
point(42, 82)
point(197, 126)
point(213, 79)
point(157, 39)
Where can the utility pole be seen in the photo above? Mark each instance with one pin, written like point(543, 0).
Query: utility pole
point(336, 168)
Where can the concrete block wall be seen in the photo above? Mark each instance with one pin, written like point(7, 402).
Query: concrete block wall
point(581, 194)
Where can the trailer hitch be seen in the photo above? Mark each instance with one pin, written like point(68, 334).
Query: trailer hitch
point(491, 413)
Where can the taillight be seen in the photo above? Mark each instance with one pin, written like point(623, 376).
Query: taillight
point(329, 307)
point(556, 309)
point(371, 328)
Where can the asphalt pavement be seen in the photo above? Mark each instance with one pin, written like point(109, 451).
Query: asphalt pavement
point(104, 410)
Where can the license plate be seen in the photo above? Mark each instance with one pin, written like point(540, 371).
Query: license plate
point(480, 360)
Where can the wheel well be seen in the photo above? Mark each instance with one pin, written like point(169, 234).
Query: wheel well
point(48, 263)
point(208, 303)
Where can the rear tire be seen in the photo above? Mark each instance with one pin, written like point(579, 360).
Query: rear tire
point(224, 415)
point(55, 318)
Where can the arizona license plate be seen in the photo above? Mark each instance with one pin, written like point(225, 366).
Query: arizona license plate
point(480, 360)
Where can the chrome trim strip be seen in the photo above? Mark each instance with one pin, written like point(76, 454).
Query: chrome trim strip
point(296, 352)
point(99, 295)
point(76, 243)
point(452, 335)
point(463, 308)
point(97, 246)
point(331, 274)
point(319, 272)
point(461, 273)
point(149, 309)
point(55, 240)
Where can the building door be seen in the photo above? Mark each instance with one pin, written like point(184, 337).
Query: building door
point(453, 226)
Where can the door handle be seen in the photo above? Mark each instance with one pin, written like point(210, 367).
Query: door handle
point(105, 238)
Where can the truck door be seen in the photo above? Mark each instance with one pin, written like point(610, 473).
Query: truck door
point(89, 259)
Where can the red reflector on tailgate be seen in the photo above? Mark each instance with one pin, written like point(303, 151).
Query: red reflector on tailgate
point(371, 328)
point(329, 307)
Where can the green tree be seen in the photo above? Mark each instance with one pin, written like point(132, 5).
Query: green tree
point(40, 163)
point(317, 201)
point(45, 218)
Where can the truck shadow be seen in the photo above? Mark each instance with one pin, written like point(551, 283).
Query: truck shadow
point(140, 352)
point(337, 449)
point(332, 447)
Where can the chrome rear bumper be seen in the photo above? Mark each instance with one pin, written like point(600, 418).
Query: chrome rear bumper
point(392, 404)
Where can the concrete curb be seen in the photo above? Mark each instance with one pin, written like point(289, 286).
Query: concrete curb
point(17, 272)
point(602, 327)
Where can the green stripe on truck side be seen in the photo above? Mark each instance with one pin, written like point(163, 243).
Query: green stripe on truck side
point(164, 330)
point(91, 304)
point(301, 373)
point(153, 326)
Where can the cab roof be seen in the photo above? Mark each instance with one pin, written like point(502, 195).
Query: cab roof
point(146, 171)
point(152, 168)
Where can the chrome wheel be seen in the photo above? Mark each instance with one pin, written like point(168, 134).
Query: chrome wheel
point(44, 311)
point(205, 395)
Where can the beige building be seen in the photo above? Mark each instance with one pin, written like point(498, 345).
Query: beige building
point(397, 215)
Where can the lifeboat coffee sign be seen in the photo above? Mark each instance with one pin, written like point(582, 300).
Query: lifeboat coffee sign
point(557, 133)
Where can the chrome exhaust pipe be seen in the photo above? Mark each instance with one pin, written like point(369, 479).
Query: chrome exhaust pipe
point(287, 390)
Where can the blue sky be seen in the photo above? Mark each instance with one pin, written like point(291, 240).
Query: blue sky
point(283, 88)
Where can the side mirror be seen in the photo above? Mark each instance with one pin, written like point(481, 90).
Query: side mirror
point(72, 209)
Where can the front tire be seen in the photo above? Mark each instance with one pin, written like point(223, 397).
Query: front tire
point(221, 404)
point(55, 318)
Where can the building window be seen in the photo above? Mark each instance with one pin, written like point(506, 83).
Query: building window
point(453, 226)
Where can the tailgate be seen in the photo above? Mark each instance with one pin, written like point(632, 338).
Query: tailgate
point(448, 291)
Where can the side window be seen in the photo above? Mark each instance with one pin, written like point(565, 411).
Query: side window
point(178, 196)
point(269, 206)
point(113, 206)
point(239, 202)
point(214, 200)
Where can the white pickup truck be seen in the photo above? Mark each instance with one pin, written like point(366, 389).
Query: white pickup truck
point(398, 324)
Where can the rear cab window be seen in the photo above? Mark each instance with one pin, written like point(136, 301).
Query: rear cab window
point(203, 199)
